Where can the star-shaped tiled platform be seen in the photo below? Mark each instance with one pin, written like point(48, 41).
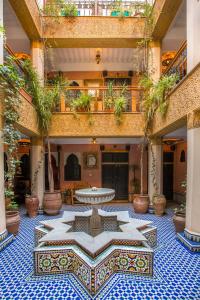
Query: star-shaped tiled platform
point(59, 231)
point(176, 270)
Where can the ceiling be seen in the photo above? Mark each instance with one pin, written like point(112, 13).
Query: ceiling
point(176, 33)
point(99, 141)
point(83, 59)
point(180, 133)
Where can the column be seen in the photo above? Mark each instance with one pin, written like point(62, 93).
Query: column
point(192, 230)
point(155, 168)
point(37, 149)
point(37, 169)
point(2, 198)
point(193, 35)
point(37, 54)
point(155, 60)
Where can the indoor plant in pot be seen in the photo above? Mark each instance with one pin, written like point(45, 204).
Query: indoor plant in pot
point(141, 201)
point(12, 218)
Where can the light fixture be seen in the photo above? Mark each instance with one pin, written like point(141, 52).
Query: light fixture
point(94, 140)
point(98, 57)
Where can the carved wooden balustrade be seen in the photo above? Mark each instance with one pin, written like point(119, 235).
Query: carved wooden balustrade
point(99, 96)
point(179, 64)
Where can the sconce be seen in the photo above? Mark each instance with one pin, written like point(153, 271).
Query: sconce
point(98, 57)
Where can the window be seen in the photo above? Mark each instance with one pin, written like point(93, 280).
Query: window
point(72, 168)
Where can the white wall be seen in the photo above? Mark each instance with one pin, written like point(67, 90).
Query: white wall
point(193, 33)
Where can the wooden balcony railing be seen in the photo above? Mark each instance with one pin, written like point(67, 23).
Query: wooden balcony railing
point(113, 8)
point(179, 63)
point(99, 96)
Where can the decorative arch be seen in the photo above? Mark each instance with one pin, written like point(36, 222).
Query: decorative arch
point(72, 168)
point(182, 156)
point(25, 166)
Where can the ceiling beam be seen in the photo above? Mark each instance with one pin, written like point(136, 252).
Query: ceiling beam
point(28, 14)
point(164, 12)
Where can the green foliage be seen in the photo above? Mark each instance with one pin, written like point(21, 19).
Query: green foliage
point(82, 103)
point(119, 107)
point(115, 101)
point(9, 193)
point(57, 8)
point(109, 96)
point(69, 10)
point(44, 99)
point(13, 205)
point(11, 83)
point(154, 96)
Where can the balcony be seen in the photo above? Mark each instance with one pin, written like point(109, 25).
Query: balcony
point(99, 96)
point(179, 64)
point(88, 8)
point(98, 120)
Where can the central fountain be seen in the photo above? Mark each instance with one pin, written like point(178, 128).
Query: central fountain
point(95, 243)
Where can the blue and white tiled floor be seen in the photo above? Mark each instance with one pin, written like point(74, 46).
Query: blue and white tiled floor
point(176, 271)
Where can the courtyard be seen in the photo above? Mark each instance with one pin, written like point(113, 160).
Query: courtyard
point(176, 270)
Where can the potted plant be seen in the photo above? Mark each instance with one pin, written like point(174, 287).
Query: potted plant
point(69, 10)
point(117, 10)
point(32, 205)
point(119, 107)
point(109, 97)
point(82, 103)
point(141, 201)
point(179, 213)
point(12, 218)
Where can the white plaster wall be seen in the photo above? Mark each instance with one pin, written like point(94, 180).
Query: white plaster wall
point(193, 33)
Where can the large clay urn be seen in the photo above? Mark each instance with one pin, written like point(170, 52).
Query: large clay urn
point(159, 203)
point(52, 203)
point(12, 221)
point(141, 203)
point(179, 222)
point(32, 205)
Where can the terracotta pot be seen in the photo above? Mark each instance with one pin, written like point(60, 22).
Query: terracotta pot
point(159, 203)
point(52, 203)
point(12, 221)
point(32, 205)
point(141, 203)
point(179, 222)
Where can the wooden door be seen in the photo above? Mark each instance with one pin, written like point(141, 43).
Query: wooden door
point(115, 172)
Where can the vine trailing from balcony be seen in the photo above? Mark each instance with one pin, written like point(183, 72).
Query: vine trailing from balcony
point(11, 83)
point(155, 93)
point(45, 101)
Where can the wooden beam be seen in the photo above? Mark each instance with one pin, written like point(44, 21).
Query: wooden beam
point(29, 16)
point(164, 12)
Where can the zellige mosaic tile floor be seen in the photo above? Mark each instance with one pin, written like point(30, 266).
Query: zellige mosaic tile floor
point(176, 270)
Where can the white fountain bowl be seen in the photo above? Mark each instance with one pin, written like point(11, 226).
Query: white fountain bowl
point(95, 196)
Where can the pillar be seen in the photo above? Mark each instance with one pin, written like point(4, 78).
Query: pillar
point(193, 35)
point(37, 149)
point(3, 231)
point(192, 230)
point(155, 60)
point(155, 167)
point(37, 54)
point(37, 168)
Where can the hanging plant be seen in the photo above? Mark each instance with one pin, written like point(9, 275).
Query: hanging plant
point(11, 83)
